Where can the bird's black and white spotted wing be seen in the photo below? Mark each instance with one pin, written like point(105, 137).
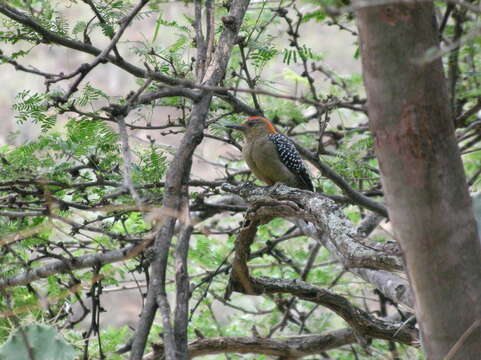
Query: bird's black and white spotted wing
point(291, 159)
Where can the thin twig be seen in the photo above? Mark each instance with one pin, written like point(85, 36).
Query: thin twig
point(462, 339)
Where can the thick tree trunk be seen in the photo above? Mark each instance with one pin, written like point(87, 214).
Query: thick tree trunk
point(423, 176)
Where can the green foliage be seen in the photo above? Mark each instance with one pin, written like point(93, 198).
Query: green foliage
point(43, 341)
point(52, 153)
point(34, 107)
point(171, 24)
point(89, 95)
point(350, 161)
point(72, 174)
point(284, 110)
point(304, 53)
point(263, 51)
point(112, 340)
point(86, 137)
point(207, 251)
point(12, 33)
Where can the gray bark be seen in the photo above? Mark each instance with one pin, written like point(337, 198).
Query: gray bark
point(422, 173)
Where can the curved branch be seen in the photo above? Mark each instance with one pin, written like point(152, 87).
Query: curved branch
point(80, 262)
point(363, 324)
point(50, 36)
point(292, 347)
point(330, 226)
point(326, 217)
point(180, 167)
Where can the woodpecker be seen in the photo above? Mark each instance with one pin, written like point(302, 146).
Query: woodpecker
point(272, 156)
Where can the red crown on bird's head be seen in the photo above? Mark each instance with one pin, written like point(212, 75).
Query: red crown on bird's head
point(269, 125)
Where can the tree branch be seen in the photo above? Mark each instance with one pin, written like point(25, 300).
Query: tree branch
point(292, 347)
point(267, 203)
point(64, 266)
point(325, 215)
point(180, 166)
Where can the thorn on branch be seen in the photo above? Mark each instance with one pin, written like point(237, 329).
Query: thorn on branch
point(84, 68)
point(116, 110)
point(229, 22)
point(227, 4)
point(281, 11)
point(241, 41)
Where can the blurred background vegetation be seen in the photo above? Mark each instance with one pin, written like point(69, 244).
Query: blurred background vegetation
point(62, 191)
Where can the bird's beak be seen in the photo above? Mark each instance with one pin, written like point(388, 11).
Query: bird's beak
point(235, 127)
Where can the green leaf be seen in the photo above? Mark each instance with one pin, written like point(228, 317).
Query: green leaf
point(44, 342)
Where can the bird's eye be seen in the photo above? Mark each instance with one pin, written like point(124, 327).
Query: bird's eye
point(250, 124)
